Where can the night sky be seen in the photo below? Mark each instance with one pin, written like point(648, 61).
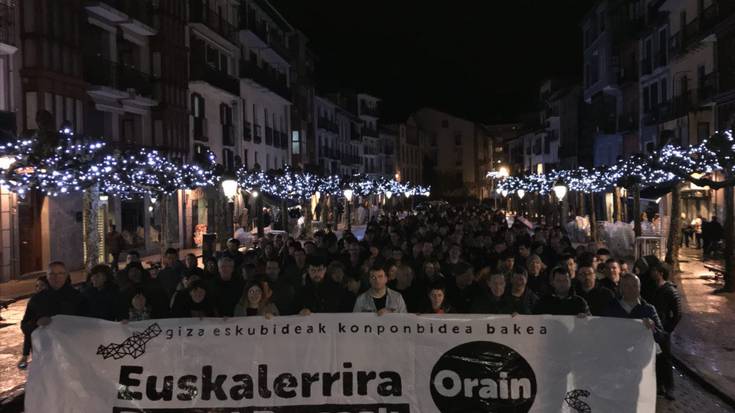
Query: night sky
point(482, 59)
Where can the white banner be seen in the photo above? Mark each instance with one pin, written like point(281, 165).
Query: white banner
point(347, 363)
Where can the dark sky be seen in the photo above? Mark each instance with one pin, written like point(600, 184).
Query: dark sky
point(483, 59)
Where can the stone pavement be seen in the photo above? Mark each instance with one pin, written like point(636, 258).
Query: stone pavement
point(704, 340)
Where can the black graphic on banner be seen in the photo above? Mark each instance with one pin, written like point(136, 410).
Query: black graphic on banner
point(323, 408)
point(133, 346)
point(483, 376)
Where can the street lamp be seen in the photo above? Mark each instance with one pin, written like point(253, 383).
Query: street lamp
point(229, 187)
point(521, 193)
point(503, 172)
point(560, 190)
point(348, 196)
point(104, 198)
point(388, 194)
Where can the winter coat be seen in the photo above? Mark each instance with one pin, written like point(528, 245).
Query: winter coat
point(667, 301)
point(48, 303)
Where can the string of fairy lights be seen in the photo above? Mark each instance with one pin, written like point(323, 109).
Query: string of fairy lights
point(73, 167)
point(670, 164)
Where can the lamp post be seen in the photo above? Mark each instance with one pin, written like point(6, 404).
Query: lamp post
point(560, 190)
point(258, 212)
point(388, 195)
point(229, 188)
point(348, 196)
point(521, 193)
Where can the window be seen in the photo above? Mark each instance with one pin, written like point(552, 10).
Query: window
point(646, 100)
point(458, 139)
point(295, 143)
point(245, 158)
point(228, 159)
point(445, 124)
point(225, 116)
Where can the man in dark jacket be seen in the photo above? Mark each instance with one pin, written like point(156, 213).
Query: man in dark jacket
point(563, 301)
point(462, 289)
point(59, 298)
point(667, 301)
point(492, 298)
point(224, 292)
point(631, 305)
point(319, 295)
point(598, 298)
point(172, 273)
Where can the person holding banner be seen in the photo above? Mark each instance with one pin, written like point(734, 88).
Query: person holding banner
point(379, 298)
point(195, 304)
point(59, 298)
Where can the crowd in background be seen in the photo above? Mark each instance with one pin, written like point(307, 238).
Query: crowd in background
point(440, 259)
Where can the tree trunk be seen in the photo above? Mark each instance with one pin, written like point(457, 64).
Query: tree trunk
point(674, 240)
point(90, 200)
point(637, 210)
point(593, 218)
point(163, 213)
point(617, 207)
point(284, 216)
point(729, 240)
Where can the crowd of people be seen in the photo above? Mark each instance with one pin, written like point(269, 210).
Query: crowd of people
point(703, 234)
point(443, 259)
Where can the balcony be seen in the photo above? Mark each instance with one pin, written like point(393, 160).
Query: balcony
point(273, 38)
point(200, 129)
point(366, 110)
point(258, 137)
point(268, 136)
point(355, 133)
point(247, 134)
point(329, 153)
point(658, 114)
point(273, 81)
point(369, 132)
point(202, 71)
point(228, 135)
point(199, 12)
point(99, 71)
point(707, 88)
point(327, 124)
point(7, 28)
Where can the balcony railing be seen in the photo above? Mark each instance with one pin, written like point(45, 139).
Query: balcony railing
point(138, 10)
point(368, 111)
point(102, 72)
point(7, 24)
point(661, 58)
point(327, 124)
point(258, 137)
point(661, 113)
point(228, 135)
point(275, 83)
point(200, 129)
point(272, 38)
point(199, 12)
point(202, 71)
point(247, 133)
point(707, 88)
point(268, 136)
point(369, 132)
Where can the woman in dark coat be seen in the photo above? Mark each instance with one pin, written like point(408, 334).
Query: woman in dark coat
point(103, 298)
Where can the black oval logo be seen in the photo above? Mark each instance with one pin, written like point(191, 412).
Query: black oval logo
point(483, 376)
